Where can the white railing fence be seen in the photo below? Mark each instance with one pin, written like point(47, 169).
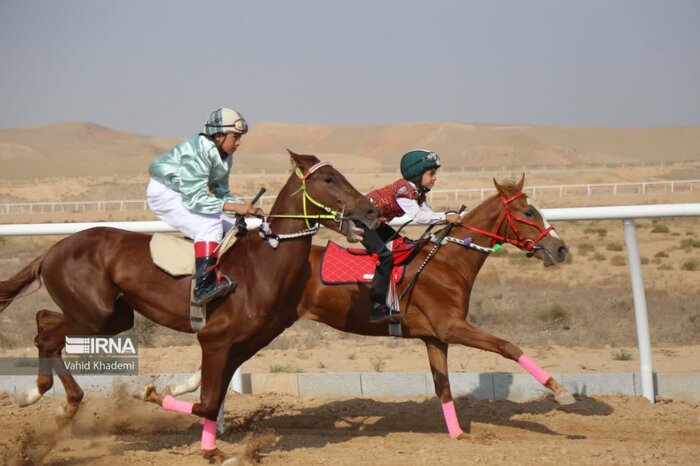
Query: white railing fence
point(577, 190)
point(627, 214)
point(445, 195)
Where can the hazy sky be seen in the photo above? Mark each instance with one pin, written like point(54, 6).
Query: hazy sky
point(159, 67)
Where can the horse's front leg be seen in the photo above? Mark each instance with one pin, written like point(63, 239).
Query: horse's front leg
point(462, 333)
point(437, 355)
point(216, 376)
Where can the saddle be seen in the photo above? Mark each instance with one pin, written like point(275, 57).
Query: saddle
point(175, 255)
point(345, 266)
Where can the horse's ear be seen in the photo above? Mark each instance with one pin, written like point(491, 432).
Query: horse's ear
point(521, 183)
point(499, 188)
point(294, 158)
point(302, 161)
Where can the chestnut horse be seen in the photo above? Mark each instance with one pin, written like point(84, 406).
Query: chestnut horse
point(99, 277)
point(435, 310)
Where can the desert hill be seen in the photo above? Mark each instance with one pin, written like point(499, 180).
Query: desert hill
point(81, 149)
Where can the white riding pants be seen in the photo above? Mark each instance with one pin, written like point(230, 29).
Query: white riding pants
point(167, 205)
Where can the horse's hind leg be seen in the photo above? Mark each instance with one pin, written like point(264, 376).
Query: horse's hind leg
point(51, 341)
point(465, 334)
point(45, 319)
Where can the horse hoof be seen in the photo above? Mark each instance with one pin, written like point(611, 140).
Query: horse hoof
point(68, 410)
point(168, 390)
point(463, 436)
point(29, 397)
point(219, 456)
point(564, 398)
point(144, 393)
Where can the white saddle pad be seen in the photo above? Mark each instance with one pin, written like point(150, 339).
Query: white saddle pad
point(173, 254)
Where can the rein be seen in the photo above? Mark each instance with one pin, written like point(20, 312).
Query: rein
point(430, 254)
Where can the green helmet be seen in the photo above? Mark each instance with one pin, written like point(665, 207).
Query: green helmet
point(414, 163)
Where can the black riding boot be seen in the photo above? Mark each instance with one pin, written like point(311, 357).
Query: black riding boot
point(380, 312)
point(209, 284)
point(375, 242)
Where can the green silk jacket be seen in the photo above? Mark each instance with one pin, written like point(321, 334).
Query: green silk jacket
point(196, 170)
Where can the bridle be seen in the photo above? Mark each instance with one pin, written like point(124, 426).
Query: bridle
point(330, 215)
point(274, 239)
point(527, 245)
point(522, 243)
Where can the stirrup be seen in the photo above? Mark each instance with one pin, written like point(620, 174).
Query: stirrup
point(217, 290)
point(382, 314)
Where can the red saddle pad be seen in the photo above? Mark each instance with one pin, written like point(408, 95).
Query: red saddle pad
point(341, 266)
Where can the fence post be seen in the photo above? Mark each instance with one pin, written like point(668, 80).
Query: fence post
point(640, 310)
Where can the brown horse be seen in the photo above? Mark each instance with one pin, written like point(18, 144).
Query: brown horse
point(435, 310)
point(99, 277)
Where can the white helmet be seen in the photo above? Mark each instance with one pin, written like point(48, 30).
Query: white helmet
point(224, 120)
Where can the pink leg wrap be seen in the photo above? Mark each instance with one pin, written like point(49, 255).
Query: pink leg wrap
point(448, 409)
point(179, 406)
point(536, 371)
point(209, 435)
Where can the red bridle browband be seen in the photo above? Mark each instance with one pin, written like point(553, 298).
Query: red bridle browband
point(522, 242)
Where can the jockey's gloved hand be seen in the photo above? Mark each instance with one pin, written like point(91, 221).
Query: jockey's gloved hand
point(453, 217)
point(246, 210)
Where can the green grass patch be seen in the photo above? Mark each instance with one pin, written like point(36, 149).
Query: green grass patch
point(597, 257)
point(621, 355)
point(279, 369)
point(660, 228)
point(601, 232)
point(691, 265)
point(555, 313)
point(618, 260)
point(689, 243)
point(661, 254)
point(614, 247)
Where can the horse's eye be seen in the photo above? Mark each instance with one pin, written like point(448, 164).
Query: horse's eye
point(529, 213)
point(328, 179)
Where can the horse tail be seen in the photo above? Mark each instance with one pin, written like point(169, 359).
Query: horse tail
point(16, 285)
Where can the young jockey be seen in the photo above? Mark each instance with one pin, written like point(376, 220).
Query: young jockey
point(189, 191)
point(404, 196)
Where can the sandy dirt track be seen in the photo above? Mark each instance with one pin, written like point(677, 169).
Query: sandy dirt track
point(280, 430)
